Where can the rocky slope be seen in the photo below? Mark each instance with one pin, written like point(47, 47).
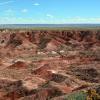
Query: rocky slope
point(49, 64)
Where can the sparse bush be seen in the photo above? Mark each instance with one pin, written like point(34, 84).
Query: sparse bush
point(77, 96)
point(93, 95)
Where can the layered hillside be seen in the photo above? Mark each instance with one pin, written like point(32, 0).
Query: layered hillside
point(49, 64)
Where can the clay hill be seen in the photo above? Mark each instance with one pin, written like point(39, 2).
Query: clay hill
point(49, 64)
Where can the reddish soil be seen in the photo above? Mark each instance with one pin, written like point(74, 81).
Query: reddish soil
point(44, 64)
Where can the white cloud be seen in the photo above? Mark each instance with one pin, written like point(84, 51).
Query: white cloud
point(49, 15)
point(36, 4)
point(82, 20)
point(4, 3)
point(31, 20)
point(24, 10)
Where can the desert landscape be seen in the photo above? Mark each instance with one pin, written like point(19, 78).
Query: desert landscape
point(49, 64)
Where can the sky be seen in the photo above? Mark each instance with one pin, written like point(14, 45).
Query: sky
point(49, 11)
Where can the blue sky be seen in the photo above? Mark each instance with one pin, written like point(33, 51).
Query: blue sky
point(49, 11)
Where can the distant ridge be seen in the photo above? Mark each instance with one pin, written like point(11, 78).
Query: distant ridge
point(48, 25)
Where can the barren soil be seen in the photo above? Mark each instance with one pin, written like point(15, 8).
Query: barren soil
point(48, 64)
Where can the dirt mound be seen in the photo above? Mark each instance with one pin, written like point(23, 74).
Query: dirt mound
point(87, 74)
point(60, 87)
point(9, 89)
point(51, 38)
point(14, 41)
point(42, 94)
point(18, 65)
point(44, 72)
point(58, 78)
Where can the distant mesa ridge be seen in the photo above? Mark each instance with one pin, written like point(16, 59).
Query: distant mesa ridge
point(47, 25)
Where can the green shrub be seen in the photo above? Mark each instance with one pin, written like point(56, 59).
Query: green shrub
point(77, 96)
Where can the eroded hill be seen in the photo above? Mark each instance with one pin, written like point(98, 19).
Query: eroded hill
point(49, 64)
